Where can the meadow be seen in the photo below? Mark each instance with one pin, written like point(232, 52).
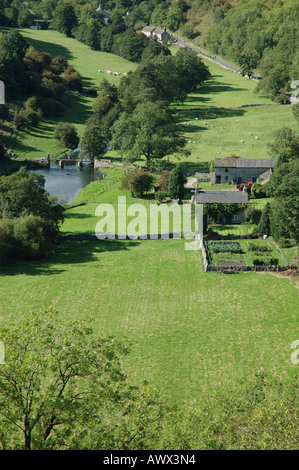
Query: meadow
point(38, 142)
point(189, 331)
point(220, 119)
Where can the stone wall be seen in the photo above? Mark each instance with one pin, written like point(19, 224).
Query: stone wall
point(232, 174)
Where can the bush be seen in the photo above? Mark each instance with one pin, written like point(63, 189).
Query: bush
point(137, 182)
point(265, 262)
point(26, 238)
point(73, 79)
point(176, 183)
point(287, 242)
point(253, 215)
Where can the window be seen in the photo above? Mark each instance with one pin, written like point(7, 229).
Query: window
point(235, 217)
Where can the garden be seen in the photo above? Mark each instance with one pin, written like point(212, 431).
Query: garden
point(244, 253)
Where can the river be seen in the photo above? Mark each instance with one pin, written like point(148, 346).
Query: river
point(67, 182)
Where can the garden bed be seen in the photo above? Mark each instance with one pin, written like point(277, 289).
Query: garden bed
point(246, 254)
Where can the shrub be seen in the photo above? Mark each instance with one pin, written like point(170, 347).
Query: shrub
point(137, 182)
point(287, 242)
point(73, 79)
point(59, 64)
point(253, 215)
point(265, 262)
point(51, 107)
point(26, 238)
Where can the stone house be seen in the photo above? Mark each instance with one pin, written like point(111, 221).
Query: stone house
point(159, 33)
point(241, 170)
point(223, 197)
point(105, 13)
point(148, 31)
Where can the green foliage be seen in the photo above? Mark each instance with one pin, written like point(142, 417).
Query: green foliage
point(65, 18)
point(225, 247)
point(263, 36)
point(67, 135)
point(283, 186)
point(26, 238)
point(285, 145)
point(94, 142)
point(258, 248)
point(137, 182)
point(73, 79)
point(149, 132)
point(51, 382)
point(265, 262)
point(253, 215)
point(23, 193)
point(264, 223)
point(176, 183)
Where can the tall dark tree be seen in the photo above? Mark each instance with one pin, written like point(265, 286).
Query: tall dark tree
point(65, 18)
point(176, 183)
point(264, 223)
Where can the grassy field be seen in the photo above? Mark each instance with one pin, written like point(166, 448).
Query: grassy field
point(189, 331)
point(83, 219)
point(213, 118)
point(38, 142)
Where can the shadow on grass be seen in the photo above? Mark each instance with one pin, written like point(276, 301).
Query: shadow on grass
point(49, 47)
point(67, 253)
point(208, 114)
point(77, 215)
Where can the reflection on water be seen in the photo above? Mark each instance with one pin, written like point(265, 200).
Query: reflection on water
point(67, 182)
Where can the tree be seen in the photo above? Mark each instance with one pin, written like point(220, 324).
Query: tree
point(284, 144)
point(67, 135)
point(264, 223)
point(137, 182)
point(23, 193)
point(56, 378)
point(283, 187)
point(177, 180)
point(62, 387)
point(65, 18)
point(192, 71)
point(150, 132)
point(94, 142)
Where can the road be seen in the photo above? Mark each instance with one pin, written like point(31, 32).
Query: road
point(215, 59)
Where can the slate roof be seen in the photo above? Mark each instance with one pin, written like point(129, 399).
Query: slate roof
point(245, 162)
point(148, 29)
point(236, 197)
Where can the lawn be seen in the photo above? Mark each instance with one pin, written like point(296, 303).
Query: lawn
point(189, 331)
point(227, 110)
point(140, 213)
